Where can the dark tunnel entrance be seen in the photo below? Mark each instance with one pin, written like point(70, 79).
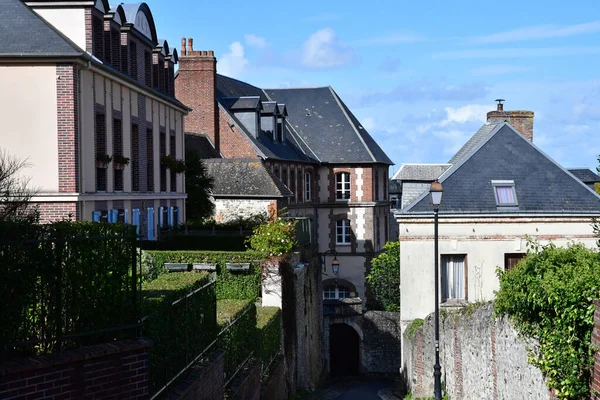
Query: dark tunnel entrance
point(344, 344)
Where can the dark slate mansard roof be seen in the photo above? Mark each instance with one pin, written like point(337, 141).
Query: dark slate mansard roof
point(244, 178)
point(420, 172)
point(542, 186)
point(319, 126)
point(585, 175)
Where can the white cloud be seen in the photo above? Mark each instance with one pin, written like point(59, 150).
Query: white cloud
point(461, 115)
point(517, 52)
point(499, 69)
point(256, 41)
point(233, 63)
point(390, 39)
point(368, 123)
point(323, 50)
point(538, 32)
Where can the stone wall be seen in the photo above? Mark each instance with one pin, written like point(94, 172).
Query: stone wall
point(246, 386)
point(116, 369)
point(204, 381)
point(381, 343)
point(274, 386)
point(228, 210)
point(481, 358)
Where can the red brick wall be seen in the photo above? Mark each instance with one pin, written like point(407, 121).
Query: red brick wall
point(367, 185)
point(68, 158)
point(195, 87)
point(522, 121)
point(57, 211)
point(203, 381)
point(233, 143)
point(115, 370)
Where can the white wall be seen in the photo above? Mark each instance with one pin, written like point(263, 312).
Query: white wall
point(29, 122)
point(70, 21)
point(484, 241)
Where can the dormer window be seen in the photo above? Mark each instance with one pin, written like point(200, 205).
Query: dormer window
point(505, 194)
point(279, 134)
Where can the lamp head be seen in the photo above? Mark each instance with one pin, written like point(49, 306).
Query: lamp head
point(335, 265)
point(436, 192)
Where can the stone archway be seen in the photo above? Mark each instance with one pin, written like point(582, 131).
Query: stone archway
point(344, 350)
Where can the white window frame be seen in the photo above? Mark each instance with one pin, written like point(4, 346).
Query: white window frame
point(343, 231)
point(307, 191)
point(342, 186)
point(336, 293)
point(453, 277)
point(505, 184)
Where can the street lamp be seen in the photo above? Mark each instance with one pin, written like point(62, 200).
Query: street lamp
point(436, 192)
point(335, 264)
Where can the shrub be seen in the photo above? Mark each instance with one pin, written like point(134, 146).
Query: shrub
point(274, 238)
point(238, 337)
point(549, 297)
point(268, 324)
point(182, 329)
point(230, 285)
point(384, 277)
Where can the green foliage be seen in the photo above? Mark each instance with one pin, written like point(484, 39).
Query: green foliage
point(230, 285)
point(268, 324)
point(384, 277)
point(238, 337)
point(62, 278)
point(240, 222)
point(274, 238)
point(15, 193)
point(412, 328)
point(198, 186)
point(180, 330)
point(549, 297)
point(182, 241)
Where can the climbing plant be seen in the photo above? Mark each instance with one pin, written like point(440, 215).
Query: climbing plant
point(384, 277)
point(549, 297)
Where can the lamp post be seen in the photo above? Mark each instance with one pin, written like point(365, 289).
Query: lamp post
point(335, 264)
point(436, 198)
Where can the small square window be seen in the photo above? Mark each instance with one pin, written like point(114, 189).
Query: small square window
point(505, 193)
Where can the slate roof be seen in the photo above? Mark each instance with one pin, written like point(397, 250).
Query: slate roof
point(420, 172)
point(242, 103)
point(542, 186)
point(26, 34)
point(585, 175)
point(475, 140)
point(269, 107)
point(328, 127)
point(244, 178)
point(201, 144)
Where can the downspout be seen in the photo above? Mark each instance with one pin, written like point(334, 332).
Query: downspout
point(80, 133)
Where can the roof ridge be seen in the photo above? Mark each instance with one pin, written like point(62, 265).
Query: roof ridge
point(343, 108)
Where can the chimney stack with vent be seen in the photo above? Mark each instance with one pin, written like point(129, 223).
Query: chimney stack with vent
point(521, 120)
point(195, 86)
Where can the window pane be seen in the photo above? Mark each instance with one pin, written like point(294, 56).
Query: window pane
point(343, 293)
point(506, 194)
point(453, 277)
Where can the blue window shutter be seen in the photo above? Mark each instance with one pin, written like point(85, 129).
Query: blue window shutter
point(96, 216)
point(150, 223)
point(170, 216)
point(126, 216)
point(114, 213)
point(135, 220)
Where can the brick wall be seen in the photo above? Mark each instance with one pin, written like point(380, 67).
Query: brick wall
point(232, 143)
point(247, 385)
point(66, 98)
point(203, 381)
point(115, 370)
point(195, 87)
point(57, 211)
point(274, 387)
point(522, 121)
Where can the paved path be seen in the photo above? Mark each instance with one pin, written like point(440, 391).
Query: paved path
point(353, 389)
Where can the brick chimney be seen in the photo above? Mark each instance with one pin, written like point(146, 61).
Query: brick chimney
point(521, 120)
point(195, 87)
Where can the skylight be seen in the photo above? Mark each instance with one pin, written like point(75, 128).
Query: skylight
point(505, 194)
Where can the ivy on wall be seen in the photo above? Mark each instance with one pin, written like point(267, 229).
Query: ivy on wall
point(549, 297)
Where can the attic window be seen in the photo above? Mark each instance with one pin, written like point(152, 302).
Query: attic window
point(505, 193)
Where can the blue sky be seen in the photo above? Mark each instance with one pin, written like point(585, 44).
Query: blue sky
point(419, 75)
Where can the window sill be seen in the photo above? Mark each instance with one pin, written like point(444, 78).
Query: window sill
point(450, 303)
point(343, 244)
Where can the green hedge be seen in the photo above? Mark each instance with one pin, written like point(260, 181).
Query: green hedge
point(230, 285)
point(180, 331)
point(268, 324)
point(62, 278)
point(192, 242)
point(239, 340)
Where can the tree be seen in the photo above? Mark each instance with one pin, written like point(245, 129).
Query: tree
point(15, 194)
point(384, 277)
point(198, 186)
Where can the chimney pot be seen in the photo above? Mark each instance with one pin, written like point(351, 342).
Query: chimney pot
point(183, 52)
point(500, 105)
point(211, 53)
point(190, 45)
